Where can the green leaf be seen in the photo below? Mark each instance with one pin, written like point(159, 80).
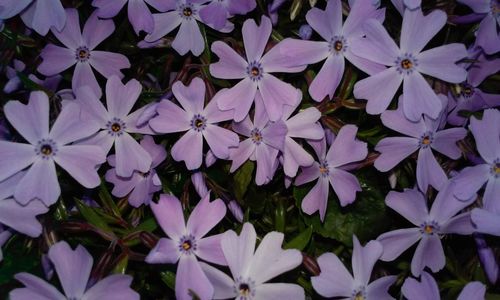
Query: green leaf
point(301, 240)
point(16, 260)
point(280, 217)
point(295, 9)
point(121, 266)
point(107, 200)
point(92, 216)
point(168, 278)
point(242, 179)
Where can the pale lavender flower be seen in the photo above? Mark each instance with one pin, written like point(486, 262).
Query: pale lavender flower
point(251, 268)
point(199, 183)
point(186, 243)
point(264, 141)
point(425, 135)
point(487, 135)
point(430, 225)
point(337, 45)
point(427, 289)
point(183, 13)
point(255, 72)
point(14, 82)
point(73, 269)
point(406, 63)
point(235, 210)
point(305, 32)
point(138, 12)
point(48, 148)
point(18, 217)
point(486, 255)
point(116, 123)
point(488, 11)
point(141, 185)
point(486, 221)
point(216, 12)
point(79, 51)
point(329, 170)
point(39, 15)
point(200, 123)
point(482, 67)
point(302, 125)
point(336, 281)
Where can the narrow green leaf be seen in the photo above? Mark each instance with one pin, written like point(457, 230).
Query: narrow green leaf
point(107, 200)
point(242, 179)
point(168, 278)
point(92, 216)
point(301, 240)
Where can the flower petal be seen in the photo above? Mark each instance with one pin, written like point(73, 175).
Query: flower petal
point(84, 76)
point(275, 94)
point(470, 180)
point(120, 98)
point(40, 182)
point(445, 141)
point(410, 204)
point(80, 161)
point(439, 62)
point(163, 24)
point(238, 250)
point(255, 37)
point(429, 171)
point(474, 290)
point(171, 118)
point(166, 251)
point(192, 96)
point(72, 266)
point(334, 279)
point(486, 221)
point(486, 133)
point(55, 60)
point(96, 30)
point(238, 98)
point(190, 279)
point(316, 199)
point(397, 241)
point(113, 287)
point(140, 17)
point(220, 140)
point(327, 80)
point(418, 29)
point(205, 216)
point(379, 288)
point(370, 89)
point(31, 120)
point(393, 150)
point(230, 65)
point(130, 156)
point(328, 22)
point(426, 289)
point(189, 148)
point(279, 291)
point(223, 284)
point(429, 253)
point(22, 218)
point(189, 38)
point(209, 249)
point(364, 258)
point(109, 63)
point(168, 213)
point(346, 148)
point(36, 288)
point(419, 98)
point(378, 46)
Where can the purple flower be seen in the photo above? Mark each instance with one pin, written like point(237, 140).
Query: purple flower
point(424, 135)
point(116, 122)
point(141, 185)
point(139, 14)
point(336, 281)
point(251, 268)
point(487, 35)
point(18, 217)
point(427, 289)
point(430, 226)
point(235, 210)
point(407, 63)
point(486, 254)
point(199, 183)
point(482, 67)
point(265, 140)
point(255, 72)
point(186, 242)
point(186, 14)
point(39, 15)
point(303, 125)
point(469, 98)
point(46, 148)
point(337, 45)
point(80, 51)
point(216, 13)
point(199, 122)
point(487, 135)
point(14, 82)
point(329, 170)
point(73, 268)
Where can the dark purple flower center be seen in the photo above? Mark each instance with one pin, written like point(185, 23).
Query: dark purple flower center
point(115, 127)
point(256, 136)
point(46, 148)
point(359, 294)
point(426, 139)
point(406, 63)
point(187, 244)
point(323, 168)
point(82, 54)
point(198, 123)
point(254, 71)
point(338, 45)
point(495, 168)
point(467, 90)
point(429, 228)
point(245, 289)
point(187, 11)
